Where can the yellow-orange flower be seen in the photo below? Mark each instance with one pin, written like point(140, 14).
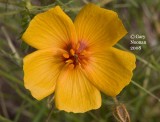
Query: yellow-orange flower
point(76, 60)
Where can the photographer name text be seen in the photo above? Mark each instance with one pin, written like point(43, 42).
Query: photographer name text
point(136, 41)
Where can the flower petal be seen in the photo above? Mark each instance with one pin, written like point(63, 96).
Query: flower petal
point(98, 27)
point(50, 29)
point(41, 70)
point(110, 70)
point(74, 93)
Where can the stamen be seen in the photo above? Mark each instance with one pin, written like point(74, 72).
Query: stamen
point(72, 52)
point(65, 55)
point(78, 45)
point(71, 66)
point(69, 61)
point(83, 52)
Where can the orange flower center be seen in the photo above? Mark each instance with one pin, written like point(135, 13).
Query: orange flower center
point(76, 56)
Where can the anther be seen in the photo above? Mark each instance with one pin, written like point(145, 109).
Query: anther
point(83, 52)
point(71, 66)
point(72, 52)
point(78, 45)
point(69, 61)
point(65, 55)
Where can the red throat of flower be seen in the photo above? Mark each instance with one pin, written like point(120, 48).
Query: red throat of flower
point(76, 55)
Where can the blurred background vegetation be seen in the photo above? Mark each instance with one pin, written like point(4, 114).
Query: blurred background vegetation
point(141, 97)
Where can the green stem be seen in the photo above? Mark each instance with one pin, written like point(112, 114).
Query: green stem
point(115, 100)
point(3, 119)
point(9, 77)
point(50, 113)
point(148, 92)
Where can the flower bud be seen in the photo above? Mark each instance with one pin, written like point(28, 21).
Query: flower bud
point(120, 113)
